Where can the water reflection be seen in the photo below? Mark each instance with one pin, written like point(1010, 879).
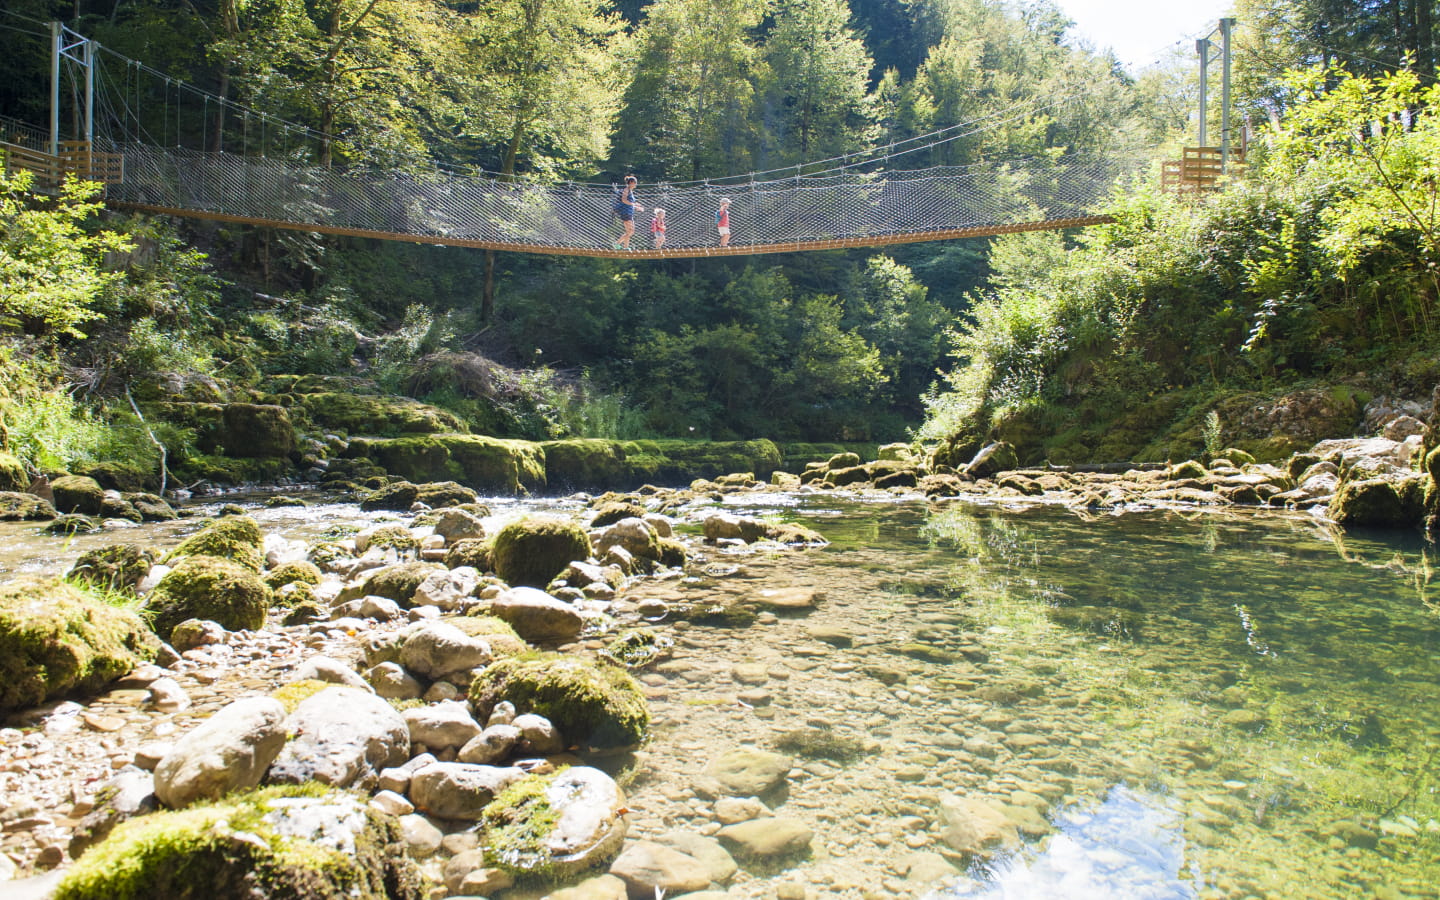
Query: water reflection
point(1130, 845)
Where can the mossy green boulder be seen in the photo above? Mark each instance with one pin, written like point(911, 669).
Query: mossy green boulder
point(397, 582)
point(373, 414)
point(78, 494)
point(56, 640)
point(492, 465)
point(533, 550)
point(282, 843)
point(208, 587)
point(473, 552)
point(292, 572)
point(16, 506)
point(116, 566)
point(398, 495)
point(13, 476)
point(236, 538)
point(594, 705)
point(1380, 503)
point(588, 465)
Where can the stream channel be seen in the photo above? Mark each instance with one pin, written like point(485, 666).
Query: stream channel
point(1170, 704)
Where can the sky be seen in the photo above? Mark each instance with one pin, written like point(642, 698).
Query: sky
point(1140, 31)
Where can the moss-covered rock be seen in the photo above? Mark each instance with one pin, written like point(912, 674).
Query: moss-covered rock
point(638, 648)
point(16, 506)
point(236, 538)
point(1185, 470)
point(397, 582)
point(257, 430)
point(589, 465)
point(533, 550)
point(283, 843)
point(152, 507)
point(683, 461)
point(78, 494)
point(209, 587)
point(494, 631)
point(292, 572)
point(399, 495)
point(54, 640)
point(115, 566)
point(371, 414)
point(13, 476)
point(473, 552)
point(72, 524)
point(551, 826)
point(444, 494)
point(595, 706)
point(488, 464)
point(608, 512)
point(1380, 503)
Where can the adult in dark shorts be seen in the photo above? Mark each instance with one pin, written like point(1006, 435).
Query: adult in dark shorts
point(625, 208)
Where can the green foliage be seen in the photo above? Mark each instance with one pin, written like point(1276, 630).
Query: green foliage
point(52, 271)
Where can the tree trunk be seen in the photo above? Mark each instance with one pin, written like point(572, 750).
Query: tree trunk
point(507, 171)
point(1425, 40)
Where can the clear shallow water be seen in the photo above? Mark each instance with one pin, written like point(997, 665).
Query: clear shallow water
point(1215, 705)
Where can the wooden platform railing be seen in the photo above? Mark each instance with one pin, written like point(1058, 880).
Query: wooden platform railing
point(77, 158)
point(1199, 169)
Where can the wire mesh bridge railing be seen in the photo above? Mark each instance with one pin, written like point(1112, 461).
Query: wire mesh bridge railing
point(811, 212)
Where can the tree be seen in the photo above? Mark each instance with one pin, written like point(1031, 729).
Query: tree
point(817, 98)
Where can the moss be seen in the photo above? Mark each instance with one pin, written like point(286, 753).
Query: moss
point(398, 582)
point(282, 500)
point(20, 507)
point(244, 847)
point(820, 743)
point(368, 414)
point(611, 511)
point(488, 464)
point(327, 553)
point(236, 538)
point(672, 553)
point(114, 566)
point(13, 476)
point(796, 456)
point(593, 705)
point(682, 461)
point(442, 494)
point(517, 824)
point(299, 601)
point(78, 494)
point(257, 430)
point(791, 533)
point(590, 465)
point(54, 640)
point(297, 692)
point(72, 524)
point(292, 572)
point(496, 632)
point(1379, 503)
point(532, 551)
point(394, 537)
point(400, 495)
point(638, 648)
point(473, 552)
point(207, 587)
point(1188, 469)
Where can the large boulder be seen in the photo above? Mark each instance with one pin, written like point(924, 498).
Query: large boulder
point(300, 844)
point(459, 790)
point(436, 649)
point(207, 587)
point(1392, 502)
point(397, 495)
point(256, 430)
point(975, 827)
point(228, 751)
point(78, 494)
point(533, 550)
point(114, 566)
point(635, 535)
point(13, 476)
point(536, 616)
point(596, 706)
point(17, 506)
point(492, 465)
point(397, 582)
point(992, 458)
point(236, 538)
point(341, 736)
point(54, 641)
point(555, 825)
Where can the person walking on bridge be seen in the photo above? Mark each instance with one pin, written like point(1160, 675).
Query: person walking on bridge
point(626, 207)
point(722, 221)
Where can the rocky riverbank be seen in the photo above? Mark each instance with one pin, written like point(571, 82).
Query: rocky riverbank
point(398, 665)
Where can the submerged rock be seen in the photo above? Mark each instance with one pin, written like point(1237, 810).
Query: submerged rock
point(555, 825)
point(594, 705)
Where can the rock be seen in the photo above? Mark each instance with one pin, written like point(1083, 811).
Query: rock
point(167, 696)
point(327, 847)
point(459, 525)
point(291, 572)
point(441, 725)
point(70, 524)
point(392, 682)
point(16, 506)
point(533, 550)
point(448, 590)
point(1402, 427)
point(331, 671)
point(653, 869)
point(927, 867)
point(786, 598)
point(459, 790)
point(556, 824)
point(193, 633)
point(421, 836)
point(436, 649)
point(130, 793)
point(54, 640)
point(724, 526)
point(397, 582)
point(341, 736)
point(115, 566)
point(209, 587)
point(707, 851)
point(766, 839)
point(747, 772)
point(78, 494)
point(595, 706)
point(1380, 502)
point(974, 827)
point(635, 535)
point(608, 512)
point(228, 751)
point(992, 459)
point(538, 736)
point(536, 616)
point(233, 538)
point(729, 810)
point(491, 746)
point(471, 553)
point(601, 887)
point(398, 496)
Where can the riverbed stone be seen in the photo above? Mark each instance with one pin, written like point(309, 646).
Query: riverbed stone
point(459, 790)
point(228, 751)
point(649, 869)
point(601, 887)
point(331, 671)
point(209, 587)
point(975, 827)
point(441, 726)
point(538, 617)
point(744, 772)
point(16, 506)
point(706, 850)
point(635, 535)
point(595, 705)
point(533, 550)
point(130, 793)
point(391, 681)
point(556, 824)
point(341, 736)
point(436, 649)
point(792, 598)
point(767, 839)
point(447, 590)
point(77, 494)
point(115, 566)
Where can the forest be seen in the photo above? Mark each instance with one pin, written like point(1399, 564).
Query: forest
point(1317, 265)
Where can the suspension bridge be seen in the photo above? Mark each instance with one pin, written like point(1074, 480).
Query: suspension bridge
point(168, 165)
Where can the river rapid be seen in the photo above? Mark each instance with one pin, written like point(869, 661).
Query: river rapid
point(1165, 703)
